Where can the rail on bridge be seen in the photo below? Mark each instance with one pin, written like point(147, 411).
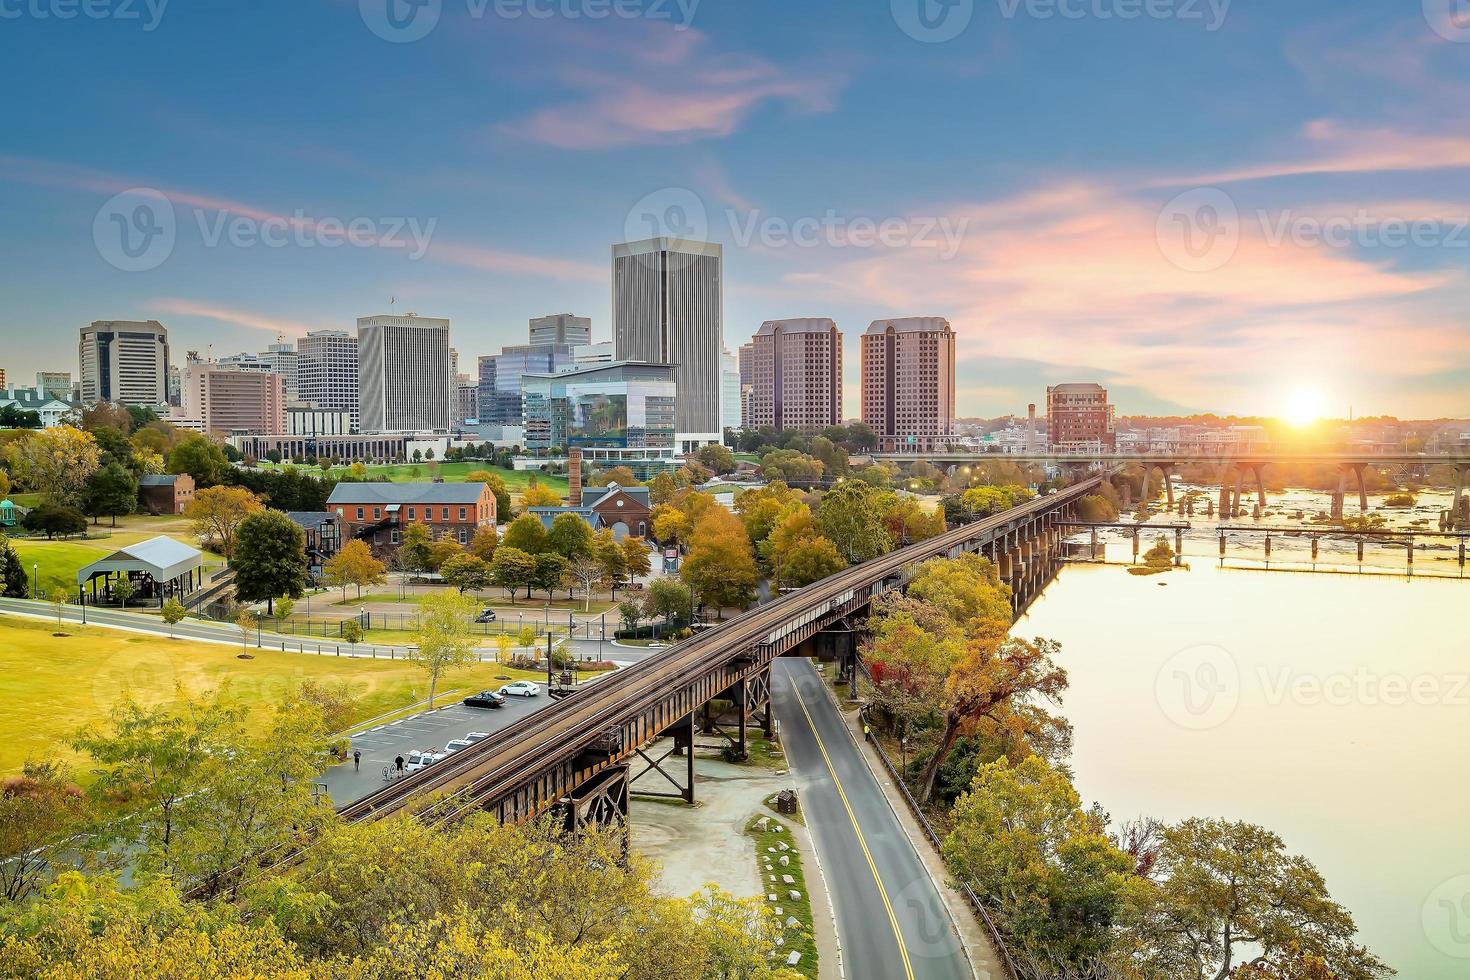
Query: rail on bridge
point(577, 756)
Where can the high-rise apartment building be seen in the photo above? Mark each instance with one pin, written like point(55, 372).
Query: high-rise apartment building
point(227, 399)
point(52, 384)
point(796, 375)
point(501, 374)
point(729, 391)
point(561, 328)
point(124, 361)
point(1079, 419)
point(908, 383)
point(668, 308)
point(405, 372)
point(327, 372)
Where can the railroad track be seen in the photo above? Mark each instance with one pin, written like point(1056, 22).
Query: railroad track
point(493, 768)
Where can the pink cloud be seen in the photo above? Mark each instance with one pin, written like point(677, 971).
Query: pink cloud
point(240, 318)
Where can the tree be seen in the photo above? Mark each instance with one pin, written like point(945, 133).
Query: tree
point(14, 583)
point(661, 489)
point(620, 475)
point(353, 565)
point(613, 559)
point(122, 590)
point(269, 558)
point(538, 495)
point(217, 513)
point(720, 567)
point(466, 573)
point(570, 536)
point(512, 569)
point(527, 534)
point(497, 486)
point(13, 417)
point(415, 550)
point(352, 631)
point(484, 543)
point(550, 571)
point(1227, 890)
point(717, 459)
point(851, 516)
point(284, 607)
point(668, 599)
point(791, 466)
point(504, 644)
point(37, 810)
point(1021, 838)
point(631, 613)
point(201, 458)
point(54, 519)
point(173, 612)
point(113, 490)
point(635, 554)
point(444, 640)
point(55, 462)
point(442, 551)
point(585, 571)
point(812, 560)
point(670, 524)
point(247, 622)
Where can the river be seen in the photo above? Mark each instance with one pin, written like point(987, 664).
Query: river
point(1331, 709)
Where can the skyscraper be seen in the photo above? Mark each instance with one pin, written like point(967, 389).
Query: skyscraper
point(729, 391)
point(231, 399)
point(561, 328)
point(908, 383)
point(500, 378)
point(668, 308)
point(327, 372)
point(796, 375)
point(405, 370)
point(1079, 419)
point(124, 361)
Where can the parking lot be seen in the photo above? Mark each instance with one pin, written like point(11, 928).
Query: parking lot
point(380, 744)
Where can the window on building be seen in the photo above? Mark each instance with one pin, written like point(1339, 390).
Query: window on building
point(410, 513)
point(377, 513)
point(464, 536)
point(359, 513)
point(446, 514)
point(393, 536)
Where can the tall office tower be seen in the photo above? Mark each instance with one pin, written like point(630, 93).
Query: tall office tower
point(1079, 419)
point(453, 366)
point(796, 375)
point(668, 308)
point(52, 384)
point(500, 378)
point(327, 373)
point(232, 400)
point(729, 391)
point(404, 366)
point(124, 361)
point(747, 365)
point(908, 383)
point(466, 402)
point(175, 386)
point(585, 354)
point(285, 361)
point(562, 328)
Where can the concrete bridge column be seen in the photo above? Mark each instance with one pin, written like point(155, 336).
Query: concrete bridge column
point(1260, 485)
point(1225, 509)
point(1339, 494)
point(1168, 469)
point(1458, 511)
point(1235, 508)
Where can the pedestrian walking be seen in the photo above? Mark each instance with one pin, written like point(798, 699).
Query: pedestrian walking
point(356, 760)
point(398, 764)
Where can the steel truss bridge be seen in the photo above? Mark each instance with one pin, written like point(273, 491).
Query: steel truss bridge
point(576, 756)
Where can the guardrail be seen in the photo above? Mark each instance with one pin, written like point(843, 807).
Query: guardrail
point(996, 938)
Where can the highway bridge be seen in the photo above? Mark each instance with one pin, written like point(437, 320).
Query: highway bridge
point(575, 756)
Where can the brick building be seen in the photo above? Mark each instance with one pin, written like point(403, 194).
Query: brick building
point(165, 493)
point(377, 513)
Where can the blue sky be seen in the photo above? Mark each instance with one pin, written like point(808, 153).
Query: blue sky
point(1207, 205)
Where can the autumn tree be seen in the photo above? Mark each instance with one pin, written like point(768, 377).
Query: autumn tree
point(415, 548)
point(465, 573)
point(549, 573)
point(217, 513)
point(570, 536)
point(635, 555)
point(851, 516)
point(539, 495)
point(484, 542)
point(55, 462)
point(811, 560)
point(527, 534)
point(497, 486)
point(512, 570)
point(444, 641)
point(353, 565)
point(37, 810)
point(620, 475)
point(720, 566)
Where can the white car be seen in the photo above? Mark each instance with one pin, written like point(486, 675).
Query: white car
point(422, 759)
point(455, 744)
point(521, 689)
point(474, 737)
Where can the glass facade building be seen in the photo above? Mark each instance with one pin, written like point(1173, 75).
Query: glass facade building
point(501, 376)
point(621, 413)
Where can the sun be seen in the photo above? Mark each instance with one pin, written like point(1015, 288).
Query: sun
point(1305, 406)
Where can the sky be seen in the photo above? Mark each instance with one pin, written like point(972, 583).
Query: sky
point(1213, 206)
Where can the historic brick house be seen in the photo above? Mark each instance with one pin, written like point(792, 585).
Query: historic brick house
point(377, 513)
point(626, 510)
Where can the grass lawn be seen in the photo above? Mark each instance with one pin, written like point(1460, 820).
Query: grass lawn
point(63, 558)
point(768, 843)
point(515, 480)
point(497, 602)
point(51, 686)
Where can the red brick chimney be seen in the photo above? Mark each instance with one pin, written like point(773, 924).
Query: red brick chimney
point(574, 475)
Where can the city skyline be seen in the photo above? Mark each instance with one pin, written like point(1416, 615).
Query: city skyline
point(1047, 259)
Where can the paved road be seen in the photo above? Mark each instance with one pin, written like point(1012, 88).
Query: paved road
point(891, 922)
point(380, 744)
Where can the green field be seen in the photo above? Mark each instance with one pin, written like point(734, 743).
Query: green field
point(51, 686)
point(515, 480)
point(62, 559)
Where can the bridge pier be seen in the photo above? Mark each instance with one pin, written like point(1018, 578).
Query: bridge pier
point(683, 738)
point(1339, 499)
point(598, 804)
point(1458, 511)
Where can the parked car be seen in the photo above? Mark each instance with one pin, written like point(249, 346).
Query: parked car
point(521, 689)
point(488, 616)
point(456, 744)
point(422, 759)
point(485, 699)
point(474, 737)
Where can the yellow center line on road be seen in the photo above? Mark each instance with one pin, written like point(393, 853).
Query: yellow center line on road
point(903, 950)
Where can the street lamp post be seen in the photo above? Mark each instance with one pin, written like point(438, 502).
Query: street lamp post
point(36, 580)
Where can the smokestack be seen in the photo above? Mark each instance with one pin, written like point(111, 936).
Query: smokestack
point(1031, 428)
point(574, 476)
